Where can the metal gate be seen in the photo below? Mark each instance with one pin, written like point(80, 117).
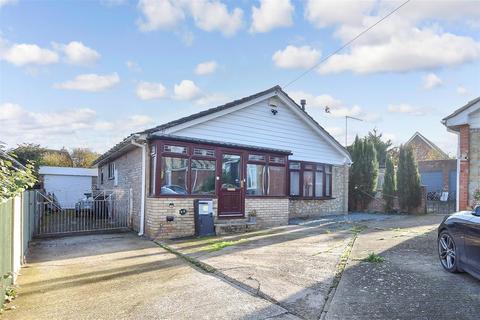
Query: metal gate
point(435, 203)
point(100, 210)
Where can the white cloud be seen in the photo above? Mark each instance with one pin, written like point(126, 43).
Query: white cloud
point(139, 121)
point(90, 82)
point(207, 15)
point(461, 90)
point(337, 108)
point(206, 67)
point(5, 2)
point(409, 109)
point(271, 14)
point(186, 90)
point(79, 54)
point(71, 127)
point(26, 54)
point(133, 66)
point(296, 57)
point(324, 13)
point(151, 90)
point(431, 81)
point(159, 14)
point(413, 50)
point(214, 16)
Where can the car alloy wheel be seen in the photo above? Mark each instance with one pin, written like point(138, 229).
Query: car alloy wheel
point(447, 252)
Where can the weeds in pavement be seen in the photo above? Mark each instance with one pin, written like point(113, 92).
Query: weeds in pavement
point(220, 245)
point(374, 258)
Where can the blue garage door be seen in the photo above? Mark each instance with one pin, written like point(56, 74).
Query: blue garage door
point(433, 180)
point(452, 181)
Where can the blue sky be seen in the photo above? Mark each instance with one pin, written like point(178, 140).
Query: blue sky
point(88, 73)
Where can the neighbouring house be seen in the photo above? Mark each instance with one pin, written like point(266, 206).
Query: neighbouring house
point(424, 149)
point(69, 185)
point(465, 122)
point(263, 153)
point(437, 170)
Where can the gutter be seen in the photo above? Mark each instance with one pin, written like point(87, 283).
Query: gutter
point(142, 202)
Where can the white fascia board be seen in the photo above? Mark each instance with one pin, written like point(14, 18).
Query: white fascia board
point(462, 117)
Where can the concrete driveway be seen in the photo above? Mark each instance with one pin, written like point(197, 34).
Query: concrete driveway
point(309, 270)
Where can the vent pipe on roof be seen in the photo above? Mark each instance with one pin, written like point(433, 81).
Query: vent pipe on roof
point(303, 102)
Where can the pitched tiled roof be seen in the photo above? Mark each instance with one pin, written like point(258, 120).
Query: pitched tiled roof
point(460, 110)
point(211, 111)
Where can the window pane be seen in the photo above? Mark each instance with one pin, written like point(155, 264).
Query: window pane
point(328, 169)
point(256, 157)
point(277, 159)
point(276, 181)
point(231, 171)
point(308, 183)
point(255, 179)
point(203, 176)
point(308, 166)
point(174, 175)
point(318, 184)
point(204, 152)
point(153, 172)
point(328, 186)
point(175, 149)
point(294, 183)
point(294, 165)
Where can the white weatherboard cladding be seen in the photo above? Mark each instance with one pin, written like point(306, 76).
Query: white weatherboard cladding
point(257, 126)
point(67, 189)
point(474, 119)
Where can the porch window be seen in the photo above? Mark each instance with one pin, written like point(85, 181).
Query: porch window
point(175, 149)
point(174, 175)
point(203, 176)
point(294, 178)
point(308, 184)
point(276, 181)
point(328, 181)
point(256, 179)
point(153, 169)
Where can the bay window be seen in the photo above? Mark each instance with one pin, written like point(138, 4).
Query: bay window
point(310, 180)
point(255, 179)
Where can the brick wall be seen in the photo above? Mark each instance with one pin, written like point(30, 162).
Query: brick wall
point(464, 166)
point(301, 208)
point(157, 210)
point(474, 171)
point(271, 212)
point(129, 168)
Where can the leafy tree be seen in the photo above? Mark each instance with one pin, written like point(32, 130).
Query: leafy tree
point(408, 180)
point(56, 159)
point(381, 146)
point(83, 157)
point(363, 173)
point(29, 152)
point(14, 176)
point(389, 185)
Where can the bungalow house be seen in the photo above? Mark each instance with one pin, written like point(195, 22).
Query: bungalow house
point(465, 122)
point(261, 153)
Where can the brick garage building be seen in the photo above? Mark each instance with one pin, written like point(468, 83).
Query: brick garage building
point(263, 153)
point(465, 122)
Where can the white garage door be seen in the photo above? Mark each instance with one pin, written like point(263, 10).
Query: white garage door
point(67, 189)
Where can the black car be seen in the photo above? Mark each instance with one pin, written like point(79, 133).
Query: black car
point(459, 242)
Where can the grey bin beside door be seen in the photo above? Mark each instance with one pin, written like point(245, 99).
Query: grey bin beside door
point(204, 225)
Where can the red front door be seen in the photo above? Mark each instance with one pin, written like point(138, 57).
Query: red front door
point(231, 195)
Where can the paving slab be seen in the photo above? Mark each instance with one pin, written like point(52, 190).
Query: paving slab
point(409, 284)
point(122, 276)
point(293, 265)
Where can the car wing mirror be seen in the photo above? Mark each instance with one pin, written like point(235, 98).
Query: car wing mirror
point(476, 211)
